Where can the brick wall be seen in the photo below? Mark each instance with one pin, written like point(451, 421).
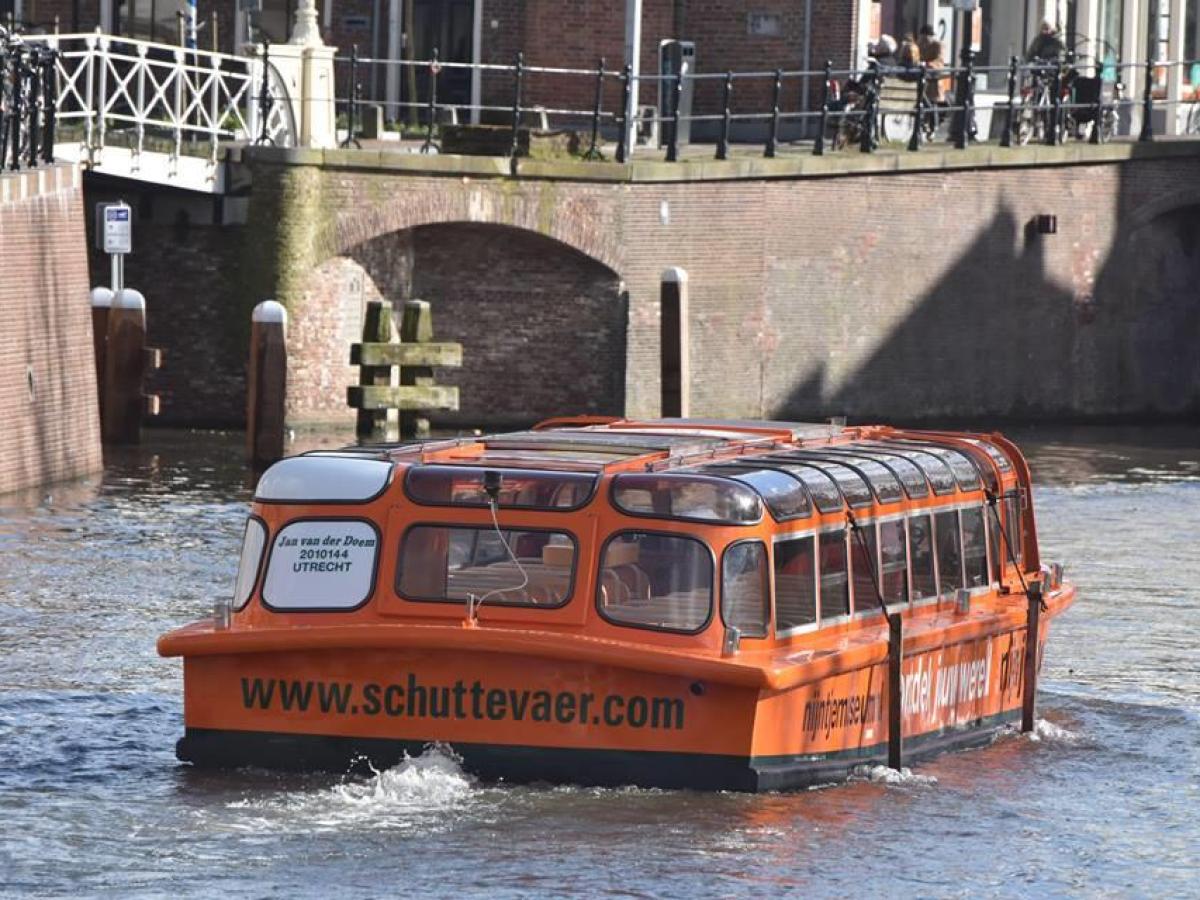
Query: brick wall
point(875, 294)
point(47, 373)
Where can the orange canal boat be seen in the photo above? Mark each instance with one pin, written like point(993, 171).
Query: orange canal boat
point(674, 603)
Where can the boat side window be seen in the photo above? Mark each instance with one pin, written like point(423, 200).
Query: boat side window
point(658, 581)
point(253, 541)
point(319, 565)
point(1013, 524)
point(519, 488)
point(701, 498)
point(454, 564)
point(949, 551)
point(974, 547)
point(835, 580)
point(864, 560)
point(995, 550)
point(745, 588)
point(894, 558)
point(795, 584)
point(920, 536)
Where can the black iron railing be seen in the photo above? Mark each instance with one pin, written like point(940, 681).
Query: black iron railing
point(877, 106)
point(28, 102)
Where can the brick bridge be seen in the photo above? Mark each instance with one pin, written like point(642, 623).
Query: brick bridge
point(904, 287)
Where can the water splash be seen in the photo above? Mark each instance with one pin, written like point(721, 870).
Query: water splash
point(414, 795)
point(885, 775)
point(1051, 733)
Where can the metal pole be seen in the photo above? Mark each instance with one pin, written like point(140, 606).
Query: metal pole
point(593, 151)
point(895, 706)
point(673, 143)
point(914, 139)
point(819, 143)
point(1147, 134)
point(352, 111)
point(265, 100)
point(773, 134)
point(1055, 106)
point(1032, 630)
point(723, 143)
point(33, 78)
point(624, 150)
point(633, 61)
point(516, 111)
point(1010, 119)
point(1098, 110)
point(434, 68)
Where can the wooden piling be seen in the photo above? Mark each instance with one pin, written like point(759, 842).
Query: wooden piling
point(1029, 683)
point(895, 684)
point(675, 360)
point(378, 327)
point(125, 361)
point(102, 299)
point(266, 389)
point(416, 327)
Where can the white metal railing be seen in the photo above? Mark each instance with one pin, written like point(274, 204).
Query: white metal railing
point(164, 99)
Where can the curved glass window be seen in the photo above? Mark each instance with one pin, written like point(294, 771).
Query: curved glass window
point(883, 481)
point(253, 541)
point(784, 494)
point(1003, 463)
point(657, 581)
point(323, 479)
point(321, 564)
point(745, 590)
point(700, 498)
point(821, 487)
point(835, 580)
point(460, 563)
point(795, 584)
point(963, 467)
point(949, 551)
point(518, 488)
point(1013, 527)
point(909, 474)
point(852, 485)
point(935, 469)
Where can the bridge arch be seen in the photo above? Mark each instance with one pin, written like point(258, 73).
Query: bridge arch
point(542, 324)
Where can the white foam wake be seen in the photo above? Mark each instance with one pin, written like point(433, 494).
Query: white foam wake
point(1048, 731)
point(885, 775)
point(415, 794)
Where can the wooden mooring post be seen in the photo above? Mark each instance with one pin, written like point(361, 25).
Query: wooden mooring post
point(102, 299)
point(266, 387)
point(126, 361)
point(383, 404)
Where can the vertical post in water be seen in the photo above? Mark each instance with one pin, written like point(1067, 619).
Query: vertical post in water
point(1147, 133)
point(1029, 685)
point(895, 665)
point(102, 300)
point(266, 390)
point(675, 374)
point(416, 327)
point(378, 328)
point(124, 368)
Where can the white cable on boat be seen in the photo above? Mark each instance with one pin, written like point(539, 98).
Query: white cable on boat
point(473, 604)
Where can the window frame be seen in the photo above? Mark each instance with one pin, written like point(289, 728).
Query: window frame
point(507, 604)
point(813, 534)
point(712, 575)
point(260, 566)
point(303, 610)
point(408, 494)
point(700, 476)
point(768, 622)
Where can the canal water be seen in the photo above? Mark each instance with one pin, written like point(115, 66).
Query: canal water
point(1102, 800)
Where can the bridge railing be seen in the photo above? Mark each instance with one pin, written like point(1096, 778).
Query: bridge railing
point(144, 97)
point(817, 111)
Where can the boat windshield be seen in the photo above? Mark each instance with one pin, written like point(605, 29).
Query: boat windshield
point(459, 563)
point(518, 488)
point(698, 498)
